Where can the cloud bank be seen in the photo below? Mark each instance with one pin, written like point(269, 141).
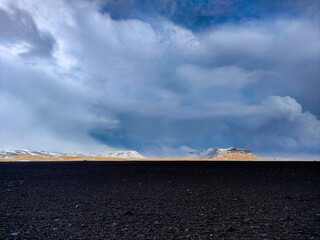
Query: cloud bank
point(91, 75)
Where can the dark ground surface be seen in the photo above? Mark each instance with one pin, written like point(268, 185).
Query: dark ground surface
point(163, 200)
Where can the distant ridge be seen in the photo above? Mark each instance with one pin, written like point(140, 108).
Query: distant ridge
point(231, 153)
point(13, 153)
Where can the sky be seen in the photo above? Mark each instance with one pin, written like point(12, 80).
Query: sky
point(162, 77)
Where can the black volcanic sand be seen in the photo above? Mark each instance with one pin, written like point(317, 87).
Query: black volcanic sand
point(160, 200)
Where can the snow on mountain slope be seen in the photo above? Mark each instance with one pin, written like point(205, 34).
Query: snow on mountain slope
point(223, 154)
point(10, 153)
point(122, 154)
point(7, 153)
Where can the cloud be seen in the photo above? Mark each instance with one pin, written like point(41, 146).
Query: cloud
point(305, 127)
point(290, 128)
point(284, 107)
point(17, 27)
point(152, 84)
point(277, 124)
point(42, 110)
point(227, 76)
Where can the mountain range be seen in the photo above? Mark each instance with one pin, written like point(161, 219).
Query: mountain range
point(31, 155)
point(223, 154)
point(14, 153)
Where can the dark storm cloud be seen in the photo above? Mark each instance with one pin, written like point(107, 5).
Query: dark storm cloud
point(17, 26)
point(276, 124)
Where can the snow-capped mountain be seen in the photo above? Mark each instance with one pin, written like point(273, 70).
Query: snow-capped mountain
point(9, 153)
point(122, 154)
point(222, 153)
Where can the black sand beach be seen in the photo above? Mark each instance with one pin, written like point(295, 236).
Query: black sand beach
point(160, 200)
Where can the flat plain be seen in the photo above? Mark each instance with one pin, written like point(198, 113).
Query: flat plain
point(160, 200)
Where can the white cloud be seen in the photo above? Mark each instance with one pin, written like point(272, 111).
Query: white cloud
point(281, 107)
point(181, 40)
point(38, 104)
point(226, 76)
point(19, 29)
point(242, 41)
